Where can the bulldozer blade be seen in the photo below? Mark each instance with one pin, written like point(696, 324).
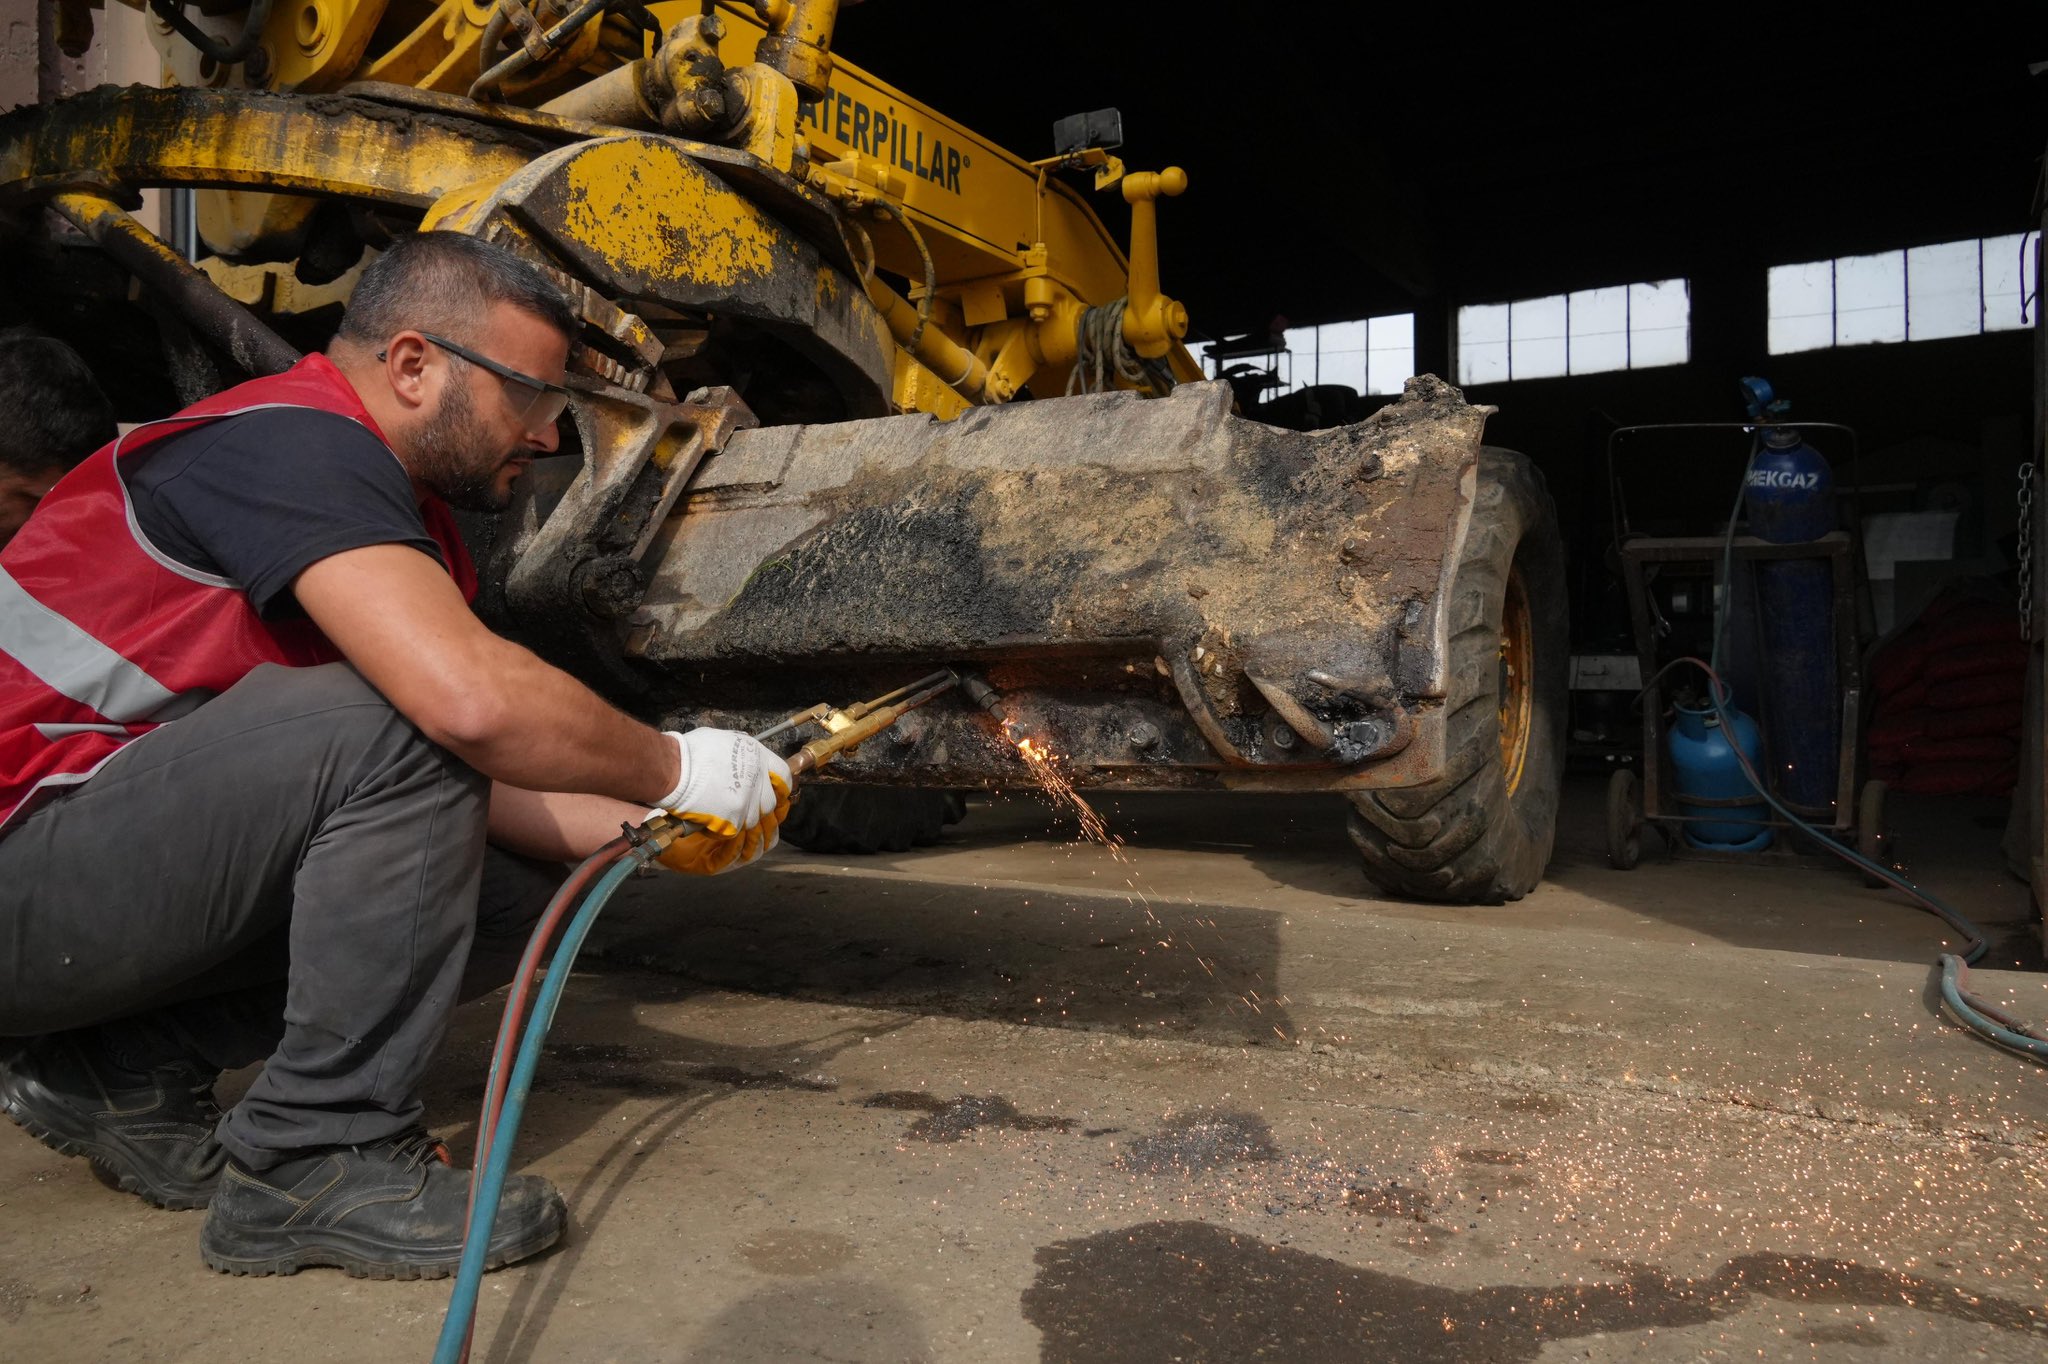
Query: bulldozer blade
point(1166, 594)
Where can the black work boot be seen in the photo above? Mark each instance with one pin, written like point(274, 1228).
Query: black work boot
point(394, 1209)
point(149, 1134)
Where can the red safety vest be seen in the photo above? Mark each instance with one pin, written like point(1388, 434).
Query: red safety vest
point(103, 636)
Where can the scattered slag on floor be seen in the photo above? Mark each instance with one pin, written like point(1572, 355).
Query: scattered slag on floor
point(1191, 1291)
point(1195, 1142)
point(1043, 765)
point(952, 1119)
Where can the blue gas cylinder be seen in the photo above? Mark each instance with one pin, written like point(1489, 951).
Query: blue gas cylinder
point(1791, 491)
point(1706, 768)
point(1791, 500)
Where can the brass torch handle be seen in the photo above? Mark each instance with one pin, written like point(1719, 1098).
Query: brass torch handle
point(818, 752)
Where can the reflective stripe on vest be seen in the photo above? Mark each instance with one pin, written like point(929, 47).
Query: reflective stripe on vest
point(103, 636)
point(71, 662)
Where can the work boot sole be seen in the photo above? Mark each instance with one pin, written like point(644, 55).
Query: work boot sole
point(262, 1253)
point(46, 1117)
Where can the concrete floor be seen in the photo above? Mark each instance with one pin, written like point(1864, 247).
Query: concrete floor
point(1010, 1099)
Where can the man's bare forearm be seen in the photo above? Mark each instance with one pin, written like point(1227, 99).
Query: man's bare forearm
point(395, 614)
point(556, 826)
point(545, 731)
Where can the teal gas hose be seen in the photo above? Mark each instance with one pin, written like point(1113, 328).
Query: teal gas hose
point(483, 1211)
point(496, 1129)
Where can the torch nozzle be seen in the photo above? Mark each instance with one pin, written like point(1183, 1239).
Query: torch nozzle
point(982, 694)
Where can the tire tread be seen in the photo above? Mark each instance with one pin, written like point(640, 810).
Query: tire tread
point(870, 819)
point(1463, 838)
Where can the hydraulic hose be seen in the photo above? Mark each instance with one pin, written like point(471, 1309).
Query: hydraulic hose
point(931, 273)
point(485, 87)
point(1981, 1017)
point(509, 1025)
point(529, 967)
point(172, 12)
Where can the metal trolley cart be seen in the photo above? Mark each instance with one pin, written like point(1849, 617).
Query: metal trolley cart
point(1650, 564)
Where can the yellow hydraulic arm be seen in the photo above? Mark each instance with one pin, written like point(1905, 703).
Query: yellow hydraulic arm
point(1012, 280)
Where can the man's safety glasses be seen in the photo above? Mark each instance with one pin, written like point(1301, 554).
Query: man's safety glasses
point(542, 408)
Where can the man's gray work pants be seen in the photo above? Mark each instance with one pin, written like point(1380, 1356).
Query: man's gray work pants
point(291, 871)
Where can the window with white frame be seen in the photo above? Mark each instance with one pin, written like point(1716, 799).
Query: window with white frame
point(1923, 293)
point(1589, 331)
point(1370, 355)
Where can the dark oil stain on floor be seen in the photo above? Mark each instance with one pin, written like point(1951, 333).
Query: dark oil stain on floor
point(1191, 1292)
point(952, 1119)
point(1199, 1141)
point(738, 1078)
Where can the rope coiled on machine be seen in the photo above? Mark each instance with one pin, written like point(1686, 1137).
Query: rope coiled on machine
point(1103, 360)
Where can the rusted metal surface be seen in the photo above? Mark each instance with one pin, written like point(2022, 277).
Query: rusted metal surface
point(196, 299)
point(134, 137)
point(1140, 579)
point(570, 560)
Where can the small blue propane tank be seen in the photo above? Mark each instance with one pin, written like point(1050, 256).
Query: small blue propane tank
point(1707, 769)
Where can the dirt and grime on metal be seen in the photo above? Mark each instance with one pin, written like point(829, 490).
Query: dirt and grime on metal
point(1207, 550)
point(960, 1105)
point(993, 502)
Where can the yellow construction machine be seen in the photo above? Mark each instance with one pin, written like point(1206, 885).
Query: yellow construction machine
point(859, 393)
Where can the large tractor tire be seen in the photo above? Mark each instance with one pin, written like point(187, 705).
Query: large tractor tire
point(1482, 833)
point(870, 819)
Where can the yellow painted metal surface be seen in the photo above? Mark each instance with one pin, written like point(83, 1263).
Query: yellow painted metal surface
point(276, 290)
point(308, 44)
point(770, 130)
point(440, 53)
point(728, 239)
point(235, 221)
point(1152, 322)
point(318, 44)
point(1016, 252)
point(461, 209)
point(979, 203)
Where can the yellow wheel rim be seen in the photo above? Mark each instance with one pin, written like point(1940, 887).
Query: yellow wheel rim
point(1517, 674)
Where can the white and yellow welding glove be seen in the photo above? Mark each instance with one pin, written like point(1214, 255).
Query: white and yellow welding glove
point(736, 790)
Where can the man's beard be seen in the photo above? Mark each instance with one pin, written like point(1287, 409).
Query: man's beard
point(451, 455)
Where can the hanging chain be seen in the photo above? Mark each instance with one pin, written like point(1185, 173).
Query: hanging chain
point(2026, 601)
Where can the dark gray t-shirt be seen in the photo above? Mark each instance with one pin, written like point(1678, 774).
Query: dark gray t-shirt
point(258, 498)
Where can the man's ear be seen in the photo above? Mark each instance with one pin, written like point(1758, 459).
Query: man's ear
point(406, 369)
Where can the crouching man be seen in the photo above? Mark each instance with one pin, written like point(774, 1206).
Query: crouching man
point(257, 757)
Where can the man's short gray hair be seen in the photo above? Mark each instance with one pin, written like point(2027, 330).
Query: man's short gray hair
point(446, 282)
